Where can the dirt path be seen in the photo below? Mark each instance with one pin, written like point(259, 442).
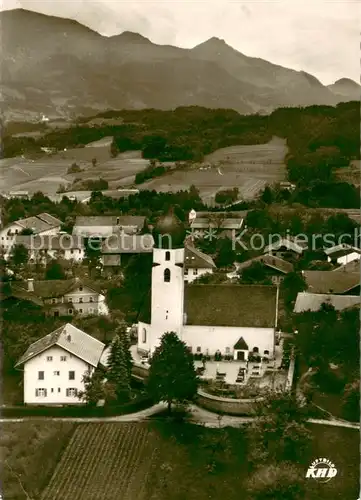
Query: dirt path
point(198, 416)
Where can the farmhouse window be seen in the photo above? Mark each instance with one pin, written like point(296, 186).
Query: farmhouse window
point(255, 349)
point(167, 275)
point(57, 374)
point(195, 272)
point(80, 289)
point(49, 358)
point(80, 300)
point(62, 358)
point(40, 375)
point(144, 336)
point(70, 311)
point(91, 299)
point(81, 311)
point(199, 349)
point(52, 389)
point(40, 393)
point(54, 301)
point(71, 375)
point(58, 389)
point(266, 351)
point(70, 299)
point(167, 255)
point(71, 392)
point(185, 272)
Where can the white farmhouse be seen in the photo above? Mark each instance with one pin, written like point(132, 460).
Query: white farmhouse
point(61, 297)
point(196, 263)
point(342, 254)
point(233, 320)
point(42, 224)
point(54, 366)
point(41, 248)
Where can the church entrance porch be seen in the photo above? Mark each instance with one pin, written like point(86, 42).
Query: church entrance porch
point(240, 355)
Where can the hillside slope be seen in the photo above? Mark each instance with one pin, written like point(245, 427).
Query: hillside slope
point(59, 67)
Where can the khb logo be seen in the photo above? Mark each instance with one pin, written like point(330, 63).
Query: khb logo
point(322, 470)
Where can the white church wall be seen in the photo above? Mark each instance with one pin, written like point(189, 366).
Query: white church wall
point(223, 338)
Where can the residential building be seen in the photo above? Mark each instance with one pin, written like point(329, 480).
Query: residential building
point(118, 245)
point(286, 248)
point(44, 247)
point(54, 366)
point(221, 223)
point(313, 301)
point(333, 282)
point(196, 263)
point(208, 318)
point(61, 297)
point(107, 225)
point(42, 224)
point(271, 261)
point(342, 254)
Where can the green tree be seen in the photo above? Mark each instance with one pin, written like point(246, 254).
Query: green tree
point(255, 273)
point(19, 255)
point(351, 401)
point(118, 371)
point(279, 431)
point(226, 254)
point(172, 377)
point(267, 195)
point(96, 388)
point(54, 271)
point(292, 284)
point(282, 481)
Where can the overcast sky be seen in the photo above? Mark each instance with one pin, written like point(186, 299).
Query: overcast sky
point(317, 36)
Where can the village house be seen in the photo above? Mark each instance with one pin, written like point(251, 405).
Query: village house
point(286, 248)
point(44, 247)
point(60, 297)
point(118, 246)
point(196, 263)
point(104, 226)
point(41, 225)
point(234, 320)
point(313, 301)
point(342, 254)
point(224, 224)
point(54, 366)
point(332, 282)
point(280, 266)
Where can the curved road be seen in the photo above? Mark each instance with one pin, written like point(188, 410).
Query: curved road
point(198, 416)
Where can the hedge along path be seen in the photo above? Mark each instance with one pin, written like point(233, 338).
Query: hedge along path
point(102, 462)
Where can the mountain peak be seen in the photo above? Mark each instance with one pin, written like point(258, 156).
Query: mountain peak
point(346, 81)
point(213, 42)
point(131, 37)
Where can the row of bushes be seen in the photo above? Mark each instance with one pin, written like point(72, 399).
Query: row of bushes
point(82, 411)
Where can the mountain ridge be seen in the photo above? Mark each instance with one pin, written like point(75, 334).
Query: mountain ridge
point(78, 70)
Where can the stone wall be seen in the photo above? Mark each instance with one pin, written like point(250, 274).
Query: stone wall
point(228, 406)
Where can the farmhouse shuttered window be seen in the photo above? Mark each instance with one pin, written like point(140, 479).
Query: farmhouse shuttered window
point(71, 392)
point(40, 393)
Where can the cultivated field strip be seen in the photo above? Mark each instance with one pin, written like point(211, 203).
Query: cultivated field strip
point(102, 462)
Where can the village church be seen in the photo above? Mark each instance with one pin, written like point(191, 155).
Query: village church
point(235, 320)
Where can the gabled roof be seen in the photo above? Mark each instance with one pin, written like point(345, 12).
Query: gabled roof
point(47, 289)
point(126, 243)
point(340, 250)
point(289, 243)
point(222, 224)
point(331, 281)
point(230, 305)
point(241, 344)
point(269, 260)
point(194, 258)
point(38, 223)
point(50, 241)
point(313, 301)
point(110, 220)
point(71, 339)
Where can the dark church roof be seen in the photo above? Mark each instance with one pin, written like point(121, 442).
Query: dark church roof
point(224, 305)
point(241, 344)
point(230, 305)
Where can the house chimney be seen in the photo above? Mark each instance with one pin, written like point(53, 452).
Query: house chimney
point(30, 285)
